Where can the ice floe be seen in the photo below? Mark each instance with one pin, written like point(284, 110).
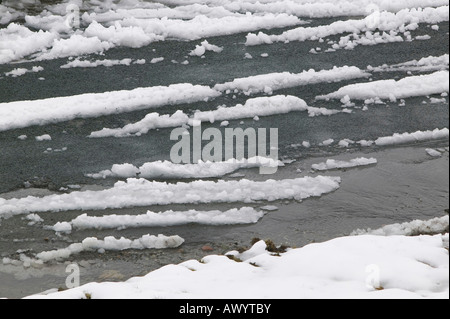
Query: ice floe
point(419, 136)
point(253, 108)
point(413, 86)
point(245, 215)
point(141, 192)
point(53, 110)
point(267, 83)
point(112, 244)
point(335, 164)
point(169, 170)
point(415, 228)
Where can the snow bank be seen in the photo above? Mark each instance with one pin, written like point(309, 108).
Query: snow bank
point(257, 107)
point(370, 267)
point(53, 110)
point(140, 192)
point(421, 85)
point(334, 164)
point(404, 20)
point(112, 244)
point(169, 170)
point(268, 83)
point(246, 215)
point(419, 136)
point(415, 228)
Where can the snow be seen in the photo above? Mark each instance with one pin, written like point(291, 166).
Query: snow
point(8, 15)
point(21, 71)
point(328, 8)
point(419, 136)
point(151, 121)
point(77, 63)
point(156, 60)
point(334, 164)
point(17, 42)
point(433, 153)
point(263, 106)
point(33, 219)
point(270, 208)
point(426, 64)
point(112, 244)
point(201, 49)
point(168, 170)
point(141, 192)
point(257, 107)
point(369, 267)
point(328, 142)
point(118, 29)
point(245, 215)
point(413, 86)
point(44, 137)
point(417, 227)
point(53, 110)
point(277, 81)
point(404, 20)
point(139, 24)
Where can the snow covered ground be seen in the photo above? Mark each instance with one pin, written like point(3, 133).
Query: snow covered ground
point(358, 89)
point(357, 267)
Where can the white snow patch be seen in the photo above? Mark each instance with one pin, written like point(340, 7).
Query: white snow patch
point(53, 110)
point(169, 170)
point(419, 136)
point(414, 228)
point(413, 86)
point(277, 81)
point(334, 164)
point(44, 137)
point(201, 49)
point(244, 215)
point(340, 267)
point(433, 153)
point(141, 192)
point(257, 107)
point(112, 244)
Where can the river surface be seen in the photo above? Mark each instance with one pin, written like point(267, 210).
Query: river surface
point(406, 183)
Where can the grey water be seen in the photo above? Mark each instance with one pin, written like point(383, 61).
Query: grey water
point(406, 183)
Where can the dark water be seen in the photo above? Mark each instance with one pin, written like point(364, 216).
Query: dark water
point(406, 184)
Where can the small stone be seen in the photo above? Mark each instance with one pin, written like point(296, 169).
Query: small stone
point(207, 248)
